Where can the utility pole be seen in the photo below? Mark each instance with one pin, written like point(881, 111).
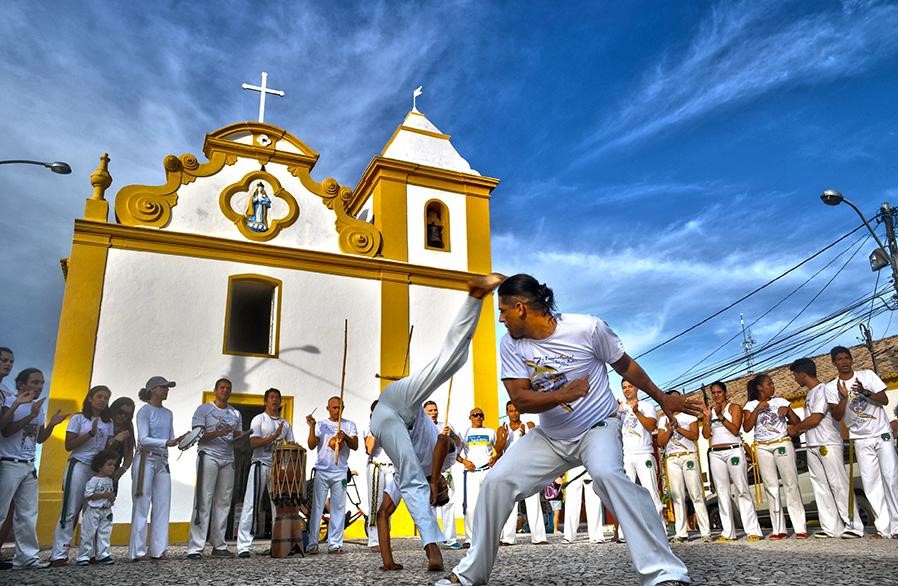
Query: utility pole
point(888, 218)
point(868, 342)
point(747, 344)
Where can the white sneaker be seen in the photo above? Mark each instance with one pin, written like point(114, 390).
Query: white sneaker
point(450, 580)
point(32, 564)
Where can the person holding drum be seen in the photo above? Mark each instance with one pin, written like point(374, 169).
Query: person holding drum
point(223, 426)
point(266, 430)
point(399, 408)
point(330, 436)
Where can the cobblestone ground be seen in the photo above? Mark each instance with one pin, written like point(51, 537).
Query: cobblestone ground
point(831, 562)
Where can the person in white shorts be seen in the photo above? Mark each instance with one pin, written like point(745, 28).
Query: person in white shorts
point(769, 417)
point(862, 401)
point(477, 456)
point(722, 424)
point(638, 423)
point(508, 436)
point(824, 448)
point(578, 489)
point(380, 473)
point(555, 365)
point(266, 430)
point(446, 512)
point(681, 460)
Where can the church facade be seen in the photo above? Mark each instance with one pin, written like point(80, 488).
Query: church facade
point(244, 266)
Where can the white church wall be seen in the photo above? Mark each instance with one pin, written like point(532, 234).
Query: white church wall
point(177, 332)
point(457, 257)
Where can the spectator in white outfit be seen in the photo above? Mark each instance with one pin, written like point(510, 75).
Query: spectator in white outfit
point(579, 488)
point(478, 456)
point(638, 423)
point(96, 520)
point(379, 472)
point(446, 512)
point(508, 436)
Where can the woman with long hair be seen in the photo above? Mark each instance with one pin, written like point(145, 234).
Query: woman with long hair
point(721, 424)
point(86, 435)
point(122, 442)
point(769, 417)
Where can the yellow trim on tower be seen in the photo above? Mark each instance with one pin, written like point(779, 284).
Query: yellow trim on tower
point(486, 375)
point(480, 254)
point(394, 326)
point(391, 217)
point(278, 286)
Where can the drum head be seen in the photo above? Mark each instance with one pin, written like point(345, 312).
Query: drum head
point(193, 436)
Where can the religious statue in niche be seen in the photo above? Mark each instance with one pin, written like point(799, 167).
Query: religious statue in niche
point(435, 226)
point(257, 209)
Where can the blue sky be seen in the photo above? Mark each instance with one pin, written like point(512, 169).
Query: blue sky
point(658, 160)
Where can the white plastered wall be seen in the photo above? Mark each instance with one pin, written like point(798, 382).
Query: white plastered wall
point(457, 257)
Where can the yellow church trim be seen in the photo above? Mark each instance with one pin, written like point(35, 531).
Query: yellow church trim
point(478, 226)
point(245, 186)
point(72, 365)
point(276, 343)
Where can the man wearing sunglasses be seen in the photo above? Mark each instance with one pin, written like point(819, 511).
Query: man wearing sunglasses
point(478, 456)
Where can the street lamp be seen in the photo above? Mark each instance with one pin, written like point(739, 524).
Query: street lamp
point(55, 166)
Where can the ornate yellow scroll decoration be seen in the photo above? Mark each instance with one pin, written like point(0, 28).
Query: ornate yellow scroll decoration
point(245, 185)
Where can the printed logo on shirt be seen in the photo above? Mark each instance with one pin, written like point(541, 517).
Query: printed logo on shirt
point(768, 419)
point(631, 423)
point(29, 435)
point(478, 440)
point(857, 405)
point(545, 378)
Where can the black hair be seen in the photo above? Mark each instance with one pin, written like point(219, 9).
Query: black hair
point(718, 383)
point(754, 394)
point(426, 403)
point(672, 391)
point(144, 395)
point(101, 457)
point(5, 349)
point(373, 405)
point(265, 396)
point(223, 380)
point(509, 403)
point(23, 376)
point(115, 407)
point(804, 365)
point(838, 350)
point(87, 410)
point(534, 294)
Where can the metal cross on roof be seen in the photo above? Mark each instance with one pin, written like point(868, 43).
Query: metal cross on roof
point(263, 89)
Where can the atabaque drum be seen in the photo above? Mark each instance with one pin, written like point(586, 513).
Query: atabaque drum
point(287, 488)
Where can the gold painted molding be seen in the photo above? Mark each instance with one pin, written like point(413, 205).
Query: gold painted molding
point(245, 185)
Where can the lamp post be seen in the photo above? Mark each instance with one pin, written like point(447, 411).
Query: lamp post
point(880, 257)
point(55, 166)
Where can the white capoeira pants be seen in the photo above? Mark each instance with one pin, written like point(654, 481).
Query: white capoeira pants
point(537, 461)
point(335, 484)
point(447, 513)
point(878, 462)
point(830, 483)
point(778, 461)
point(211, 503)
point(684, 476)
point(75, 479)
point(573, 500)
point(252, 504)
point(379, 475)
point(399, 405)
point(96, 529)
point(471, 481)
point(644, 467)
point(534, 519)
point(18, 485)
point(156, 495)
point(728, 467)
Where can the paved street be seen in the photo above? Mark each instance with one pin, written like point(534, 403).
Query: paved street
point(789, 562)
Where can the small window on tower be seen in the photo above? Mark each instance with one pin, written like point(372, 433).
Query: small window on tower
point(436, 220)
point(253, 316)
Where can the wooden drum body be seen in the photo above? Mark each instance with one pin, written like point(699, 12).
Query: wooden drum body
point(287, 488)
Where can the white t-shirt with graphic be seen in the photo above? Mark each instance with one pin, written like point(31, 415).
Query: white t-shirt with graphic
point(21, 445)
point(863, 417)
point(827, 432)
point(580, 347)
point(478, 444)
point(213, 418)
point(264, 425)
point(326, 463)
point(95, 486)
point(636, 438)
point(678, 443)
point(769, 424)
point(79, 424)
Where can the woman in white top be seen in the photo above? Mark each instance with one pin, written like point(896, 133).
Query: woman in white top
point(86, 435)
point(769, 416)
point(721, 425)
point(150, 476)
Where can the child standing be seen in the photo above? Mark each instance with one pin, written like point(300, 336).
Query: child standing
point(96, 523)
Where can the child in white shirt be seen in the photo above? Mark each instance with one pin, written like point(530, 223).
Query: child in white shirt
point(96, 520)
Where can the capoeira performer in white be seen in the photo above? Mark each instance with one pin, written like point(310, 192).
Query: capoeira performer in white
point(574, 496)
point(446, 512)
point(555, 365)
point(722, 424)
point(508, 436)
point(214, 472)
point(678, 436)
point(380, 473)
point(478, 456)
point(769, 416)
point(400, 405)
point(862, 401)
point(638, 422)
point(266, 430)
point(824, 440)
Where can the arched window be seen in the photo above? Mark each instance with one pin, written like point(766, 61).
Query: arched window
point(253, 316)
point(436, 226)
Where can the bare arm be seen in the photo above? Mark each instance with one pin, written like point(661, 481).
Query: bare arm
point(691, 432)
point(750, 417)
point(529, 401)
point(809, 422)
point(313, 439)
point(630, 370)
point(501, 441)
point(664, 435)
point(733, 426)
point(352, 441)
point(370, 444)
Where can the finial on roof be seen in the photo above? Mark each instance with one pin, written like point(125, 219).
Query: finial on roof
point(418, 91)
point(96, 207)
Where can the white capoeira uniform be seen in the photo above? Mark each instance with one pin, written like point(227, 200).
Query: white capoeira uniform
point(684, 475)
point(399, 405)
point(828, 477)
point(580, 346)
point(18, 483)
point(534, 511)
point(574, 495)
point(214, 477)
point(96, 520)
point(154, 430)
point(874, 448)
point(478, 447)
point(728, 467)
point(331, 477)
point(639, 453)
point(379, 472)
point(74, 480)
point(776, 459)
point(262, 425)
point(446, 513)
